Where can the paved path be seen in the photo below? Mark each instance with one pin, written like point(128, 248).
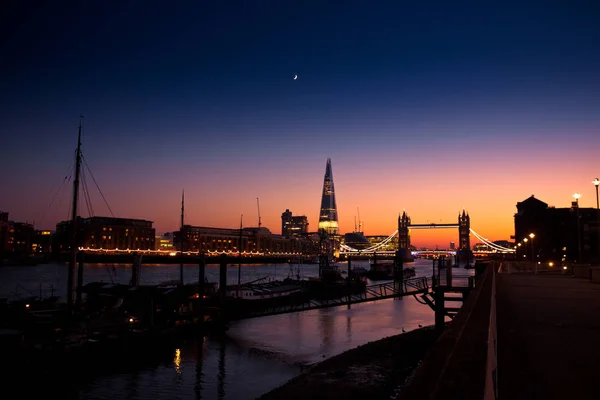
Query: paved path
point(548, 337)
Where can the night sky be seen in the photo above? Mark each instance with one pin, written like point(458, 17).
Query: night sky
point(426, 106)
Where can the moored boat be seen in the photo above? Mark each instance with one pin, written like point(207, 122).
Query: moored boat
point(384, 270)
point(263, 291)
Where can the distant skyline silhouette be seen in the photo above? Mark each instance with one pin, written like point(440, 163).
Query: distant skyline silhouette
point(429, 107)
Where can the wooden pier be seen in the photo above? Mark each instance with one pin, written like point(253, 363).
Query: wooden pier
point(381, 291)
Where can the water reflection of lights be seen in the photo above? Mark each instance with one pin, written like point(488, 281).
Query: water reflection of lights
point(177, 361)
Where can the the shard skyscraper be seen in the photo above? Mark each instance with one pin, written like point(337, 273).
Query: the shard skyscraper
point(328, 218)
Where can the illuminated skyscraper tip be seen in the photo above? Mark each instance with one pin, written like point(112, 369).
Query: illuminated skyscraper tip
point(328, 219)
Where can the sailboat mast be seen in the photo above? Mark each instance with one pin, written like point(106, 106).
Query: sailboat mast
point(240, 251)
point(73, 259)
point(258, 206)
point(181, 239)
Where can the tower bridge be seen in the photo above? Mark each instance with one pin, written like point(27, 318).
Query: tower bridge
point(403, 232)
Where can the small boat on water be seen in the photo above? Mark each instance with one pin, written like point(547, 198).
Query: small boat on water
point(384, 270)
point(250, 297)
point(263, 291)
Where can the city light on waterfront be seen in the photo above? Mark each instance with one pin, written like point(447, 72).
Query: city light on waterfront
point(405, 128)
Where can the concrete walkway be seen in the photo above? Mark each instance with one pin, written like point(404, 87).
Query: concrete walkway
point(548, 337)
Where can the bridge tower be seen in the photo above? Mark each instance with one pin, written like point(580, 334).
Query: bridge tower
point(464, 231)
point(403, 232)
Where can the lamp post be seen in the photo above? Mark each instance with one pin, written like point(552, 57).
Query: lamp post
point(532, 235)
point(596, 182)
point(525, 248)
point(577, 196)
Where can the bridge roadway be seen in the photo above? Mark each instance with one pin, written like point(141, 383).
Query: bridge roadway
point(375, 292)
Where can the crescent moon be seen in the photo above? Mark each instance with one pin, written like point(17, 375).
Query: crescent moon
point(295, 77)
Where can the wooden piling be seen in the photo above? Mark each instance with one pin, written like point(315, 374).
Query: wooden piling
point(78, 298)
point(399, 272)
point(448, 274)
point(349, 279)
point(201, 276)
point(223, 283)
point(201, 302)
point(440, 311)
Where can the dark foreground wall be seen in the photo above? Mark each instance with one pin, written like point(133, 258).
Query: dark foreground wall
point(461, 365)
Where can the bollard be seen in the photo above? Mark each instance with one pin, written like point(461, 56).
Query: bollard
point(349, 279)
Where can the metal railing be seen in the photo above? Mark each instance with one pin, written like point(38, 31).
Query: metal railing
point(371, 293)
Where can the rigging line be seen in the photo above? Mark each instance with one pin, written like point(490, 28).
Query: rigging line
point(83, 190)
point(69, 211)
point(96, 183)
point(61, 198)
point(57, 191)
point(85, 194)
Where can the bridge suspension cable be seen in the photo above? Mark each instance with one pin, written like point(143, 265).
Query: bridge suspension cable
point(490, 244)
point(384, 242)
point(371, 248)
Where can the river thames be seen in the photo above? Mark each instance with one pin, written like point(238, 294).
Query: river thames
point(252, 357)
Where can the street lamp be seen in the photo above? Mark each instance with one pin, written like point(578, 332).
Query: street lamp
point(577, 196)
point(596, 182)
point(532, 235)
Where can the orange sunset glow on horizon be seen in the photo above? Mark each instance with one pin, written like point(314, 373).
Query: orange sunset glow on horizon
point(427, 194)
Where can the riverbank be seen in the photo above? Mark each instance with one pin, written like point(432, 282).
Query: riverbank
point(376, 370)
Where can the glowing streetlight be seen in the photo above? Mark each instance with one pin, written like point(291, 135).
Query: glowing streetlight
point(577, 196)
point(531, 236)
point(596, 182)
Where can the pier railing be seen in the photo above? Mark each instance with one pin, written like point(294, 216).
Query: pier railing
point(371, 293)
